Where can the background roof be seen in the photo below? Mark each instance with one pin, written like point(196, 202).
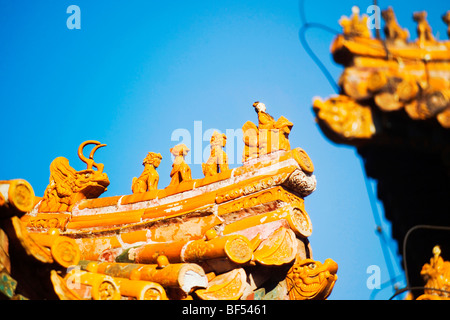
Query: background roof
point(140, 73)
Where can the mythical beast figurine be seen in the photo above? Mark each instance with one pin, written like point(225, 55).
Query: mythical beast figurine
point(68, 186)
point(149, 178)
point(218, 159)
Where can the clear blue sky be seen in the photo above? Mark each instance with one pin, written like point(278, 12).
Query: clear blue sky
point(137, 71)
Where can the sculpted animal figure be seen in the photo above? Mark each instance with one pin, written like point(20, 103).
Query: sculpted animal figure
point(149, 178)
point(423, 28)
point(180, 169)
point(68, 186)
point(218, 159)
point(392, 30)
point(446, 19)
point(311, 280)
point(354, 26)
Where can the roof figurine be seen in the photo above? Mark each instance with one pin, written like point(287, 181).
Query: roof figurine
point(446, 19)
point(355, 26)
point(149, 178)
point(180, 169)
point(68, 186)
point(392, 29)
point(437, 277)
point(218, 159)
point(272, 135)
point(424, 34)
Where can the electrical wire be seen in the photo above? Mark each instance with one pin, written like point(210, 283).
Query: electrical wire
point(377, 217)
point(383, 286)
point(313, 56)
point(302, 36)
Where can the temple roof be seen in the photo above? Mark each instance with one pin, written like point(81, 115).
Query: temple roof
point(394, 75)
point(238, 233)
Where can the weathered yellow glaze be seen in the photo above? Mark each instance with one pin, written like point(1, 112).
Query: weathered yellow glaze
point(227, 286)
point(237, 248)
point(279, 248)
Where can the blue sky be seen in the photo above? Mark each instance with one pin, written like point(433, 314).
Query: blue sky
point(137, 71)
